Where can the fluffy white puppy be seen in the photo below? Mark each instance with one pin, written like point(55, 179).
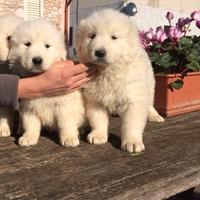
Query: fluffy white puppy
point(7, 23)
point(35, 46)
point(108, 41)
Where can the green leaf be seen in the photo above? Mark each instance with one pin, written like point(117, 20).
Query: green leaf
point(158, 46)
point(164, 59)
point(185, 41)
point(196, 38)
point(178, 84)
point(194, 66)
point(167, 45)
point(193, 55)
point(154, 56)
point(167, 60)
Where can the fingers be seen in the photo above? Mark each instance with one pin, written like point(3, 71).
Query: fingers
point(80, 83)
point(70, 67)
point(78, 77)
point(65, 80)
point(67, 63)
point(71, 84)
point(78, 69)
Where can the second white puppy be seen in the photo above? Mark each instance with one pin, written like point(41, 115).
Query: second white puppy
point(108, 41)
point(8, 23)
point(36, 45)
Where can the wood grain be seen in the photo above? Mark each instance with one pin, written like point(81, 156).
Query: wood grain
point(170, 164)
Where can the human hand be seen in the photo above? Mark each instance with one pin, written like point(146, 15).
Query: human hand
point(62, 77)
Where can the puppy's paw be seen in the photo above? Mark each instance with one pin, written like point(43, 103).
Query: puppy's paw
point(97, 138)
point(27, 141)
point(133, 147)
point(4, 130)
point(70, 141)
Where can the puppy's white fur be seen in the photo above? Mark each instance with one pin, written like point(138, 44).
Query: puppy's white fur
point(125, 81)
point(7, 23)
point(40, 39)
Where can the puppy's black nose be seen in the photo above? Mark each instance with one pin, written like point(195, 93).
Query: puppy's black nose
point(100, 53)
point(37, 60)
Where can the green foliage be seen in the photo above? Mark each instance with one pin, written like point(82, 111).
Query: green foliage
point(178, 84)
point(180, 57)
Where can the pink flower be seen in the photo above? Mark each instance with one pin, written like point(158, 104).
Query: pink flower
point(160, 35)
point(195, 15)
point(150, 34)
point(144, 40)
point(187, 20)
point(174, 33)
point(198, 24)
point(183, 21)
point(169, 16)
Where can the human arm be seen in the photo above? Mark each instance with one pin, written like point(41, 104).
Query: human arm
point(62, 77)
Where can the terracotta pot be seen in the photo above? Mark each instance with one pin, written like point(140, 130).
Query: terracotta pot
point(173, 102)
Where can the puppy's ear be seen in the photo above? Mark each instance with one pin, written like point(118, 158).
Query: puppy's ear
point(13, 55)
point(79, 34)
point(14, 61)
point(63, 53)
point(63, 48)
point(134, 40)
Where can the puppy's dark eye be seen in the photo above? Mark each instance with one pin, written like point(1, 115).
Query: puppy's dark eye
point(28, 44)
point(92, 35)
point(114, 37)
point(47, 46)
point(8, 38)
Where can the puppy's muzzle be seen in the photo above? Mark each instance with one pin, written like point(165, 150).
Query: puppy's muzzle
point(37, 60)
point(100, 53)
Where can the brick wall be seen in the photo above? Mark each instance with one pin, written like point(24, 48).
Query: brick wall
point(10, 7)
point(52, 9)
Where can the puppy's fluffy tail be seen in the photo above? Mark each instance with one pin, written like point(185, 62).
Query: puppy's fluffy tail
point(154, 116)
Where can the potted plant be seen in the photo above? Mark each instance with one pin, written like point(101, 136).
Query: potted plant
point(175, 57)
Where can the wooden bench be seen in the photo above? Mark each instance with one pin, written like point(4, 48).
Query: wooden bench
point(47, 171)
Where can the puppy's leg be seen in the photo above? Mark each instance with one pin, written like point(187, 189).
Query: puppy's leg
point(32, 126)
point(98, 120)
point(6, 122)
point(68, 124)
point(154, 116)
point(133, 122)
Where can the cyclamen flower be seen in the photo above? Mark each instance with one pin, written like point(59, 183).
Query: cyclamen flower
point(144, 40)
point(150, 34)
point(187, 20)
point(160, 35)
point(198, 24)
point(195, 15)
point(174, 33)
point(169, 16)
point(183, 21)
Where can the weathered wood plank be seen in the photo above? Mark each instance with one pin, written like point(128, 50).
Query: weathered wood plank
point(170, 164)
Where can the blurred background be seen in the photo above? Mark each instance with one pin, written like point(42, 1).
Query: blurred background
point(150, 13)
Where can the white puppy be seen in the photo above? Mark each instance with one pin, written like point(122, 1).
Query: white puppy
point(7, 23)
point(108, 41)
point(36, 45)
